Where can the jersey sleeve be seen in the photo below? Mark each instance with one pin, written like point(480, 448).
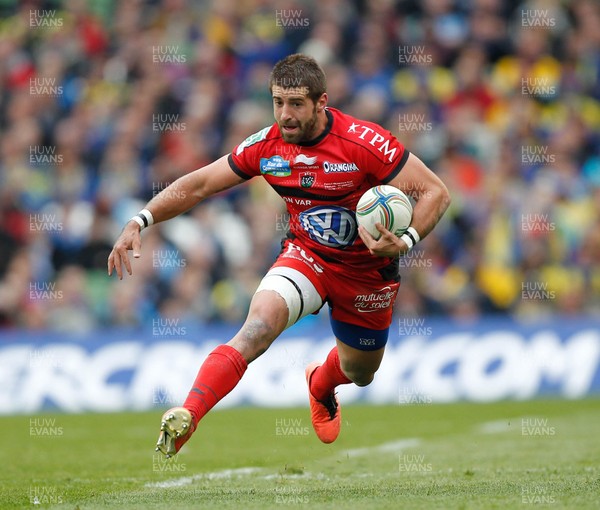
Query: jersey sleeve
point(386, 156)
point(244, 160)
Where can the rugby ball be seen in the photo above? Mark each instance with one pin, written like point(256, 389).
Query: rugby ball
point(386, 205)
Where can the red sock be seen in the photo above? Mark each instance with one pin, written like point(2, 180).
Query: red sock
point(329, 375)
point(218, 375)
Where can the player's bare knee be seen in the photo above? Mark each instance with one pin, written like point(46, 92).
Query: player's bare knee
point(258, 334)
point(269, 307)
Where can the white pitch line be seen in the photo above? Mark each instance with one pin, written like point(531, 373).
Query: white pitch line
point(391, 447)
point(495, 427)
point(213, 475)
point(296, 476)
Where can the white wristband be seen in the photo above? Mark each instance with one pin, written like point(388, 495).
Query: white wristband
point(407, 240)
point(414, 233)
point(144, 219)
point(147, 215)
point(139, 221)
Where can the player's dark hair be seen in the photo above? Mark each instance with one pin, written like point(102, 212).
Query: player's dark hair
point(299, 70)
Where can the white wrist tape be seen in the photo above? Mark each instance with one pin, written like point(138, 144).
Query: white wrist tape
point(410, 237)
point(144, 219)
point(415, 234)
point(147, 216)
point(139, 221)
point(407, 240)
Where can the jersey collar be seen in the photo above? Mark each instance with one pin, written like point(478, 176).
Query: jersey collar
point(324, 133)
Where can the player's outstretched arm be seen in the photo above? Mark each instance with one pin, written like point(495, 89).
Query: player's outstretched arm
point(178, 197)
point(432, 197)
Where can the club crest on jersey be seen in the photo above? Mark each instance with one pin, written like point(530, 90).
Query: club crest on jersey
point(307, 179)
point(275, 166)
point(330, 226)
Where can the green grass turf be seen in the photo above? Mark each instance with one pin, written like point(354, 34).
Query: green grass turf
point(107, 460)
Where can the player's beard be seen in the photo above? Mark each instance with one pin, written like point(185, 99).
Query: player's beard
point(306, 130)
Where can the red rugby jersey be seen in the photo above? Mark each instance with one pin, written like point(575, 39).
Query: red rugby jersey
point(322, 180)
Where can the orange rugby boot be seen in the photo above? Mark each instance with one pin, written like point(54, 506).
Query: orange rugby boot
point(176, 427)
point(326, 416)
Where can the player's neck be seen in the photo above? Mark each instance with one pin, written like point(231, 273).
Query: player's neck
point(320, 127)
point(322, 122)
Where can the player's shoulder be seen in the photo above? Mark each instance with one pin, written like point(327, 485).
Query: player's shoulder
point(366, 135)
point(354, 129)
point(265, 135)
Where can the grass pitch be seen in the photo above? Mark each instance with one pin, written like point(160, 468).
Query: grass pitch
point(542, 454)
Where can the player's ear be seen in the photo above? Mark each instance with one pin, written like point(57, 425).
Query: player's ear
point(322, 102)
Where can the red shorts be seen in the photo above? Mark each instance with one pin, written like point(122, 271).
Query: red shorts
point(361, 302)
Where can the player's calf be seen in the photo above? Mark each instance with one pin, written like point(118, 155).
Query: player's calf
point(357, 365)
point(359, 378)
point(358, 372)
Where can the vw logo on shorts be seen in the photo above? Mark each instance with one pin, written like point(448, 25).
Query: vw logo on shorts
point(330, 226)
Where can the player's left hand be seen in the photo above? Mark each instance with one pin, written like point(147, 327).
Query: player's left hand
point(388, 245)
point(129, 239)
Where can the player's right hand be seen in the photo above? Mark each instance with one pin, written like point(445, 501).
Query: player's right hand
point(130, 239)
point(388, 245)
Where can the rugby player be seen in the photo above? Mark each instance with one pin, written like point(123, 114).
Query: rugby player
point(320, 161)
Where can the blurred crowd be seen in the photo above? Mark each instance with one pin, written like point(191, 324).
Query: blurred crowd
point(104, 103)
